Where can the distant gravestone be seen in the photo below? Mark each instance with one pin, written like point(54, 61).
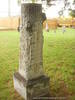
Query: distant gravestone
point(47, 28)
point(63, 29)
point(30, 80)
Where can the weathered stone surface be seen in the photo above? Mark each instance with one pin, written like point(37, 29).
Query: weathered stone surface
point(30, 81)
point(31, 42)
point(31, 88)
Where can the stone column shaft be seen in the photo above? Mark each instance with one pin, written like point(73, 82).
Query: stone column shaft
point(31, 42)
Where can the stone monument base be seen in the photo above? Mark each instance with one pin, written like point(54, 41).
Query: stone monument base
point(31, 89)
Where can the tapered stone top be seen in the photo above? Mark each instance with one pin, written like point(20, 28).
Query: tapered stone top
point(31, 41)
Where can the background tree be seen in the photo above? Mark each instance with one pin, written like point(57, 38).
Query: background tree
point(72, 13)
point(49, 3)
point(72, 9)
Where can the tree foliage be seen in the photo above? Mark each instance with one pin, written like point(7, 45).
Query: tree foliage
point(53, 2)
point(72, 10)
point(72, 13)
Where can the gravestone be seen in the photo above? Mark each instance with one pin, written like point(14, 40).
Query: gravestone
point(30, 80)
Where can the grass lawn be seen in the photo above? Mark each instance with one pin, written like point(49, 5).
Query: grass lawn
point(58, 63)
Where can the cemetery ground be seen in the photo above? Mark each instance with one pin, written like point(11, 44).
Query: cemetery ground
point(58, 63)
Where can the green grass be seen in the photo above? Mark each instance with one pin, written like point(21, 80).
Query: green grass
point(58, 63)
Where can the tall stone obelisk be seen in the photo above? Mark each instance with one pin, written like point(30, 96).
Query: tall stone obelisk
point(30, 80)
